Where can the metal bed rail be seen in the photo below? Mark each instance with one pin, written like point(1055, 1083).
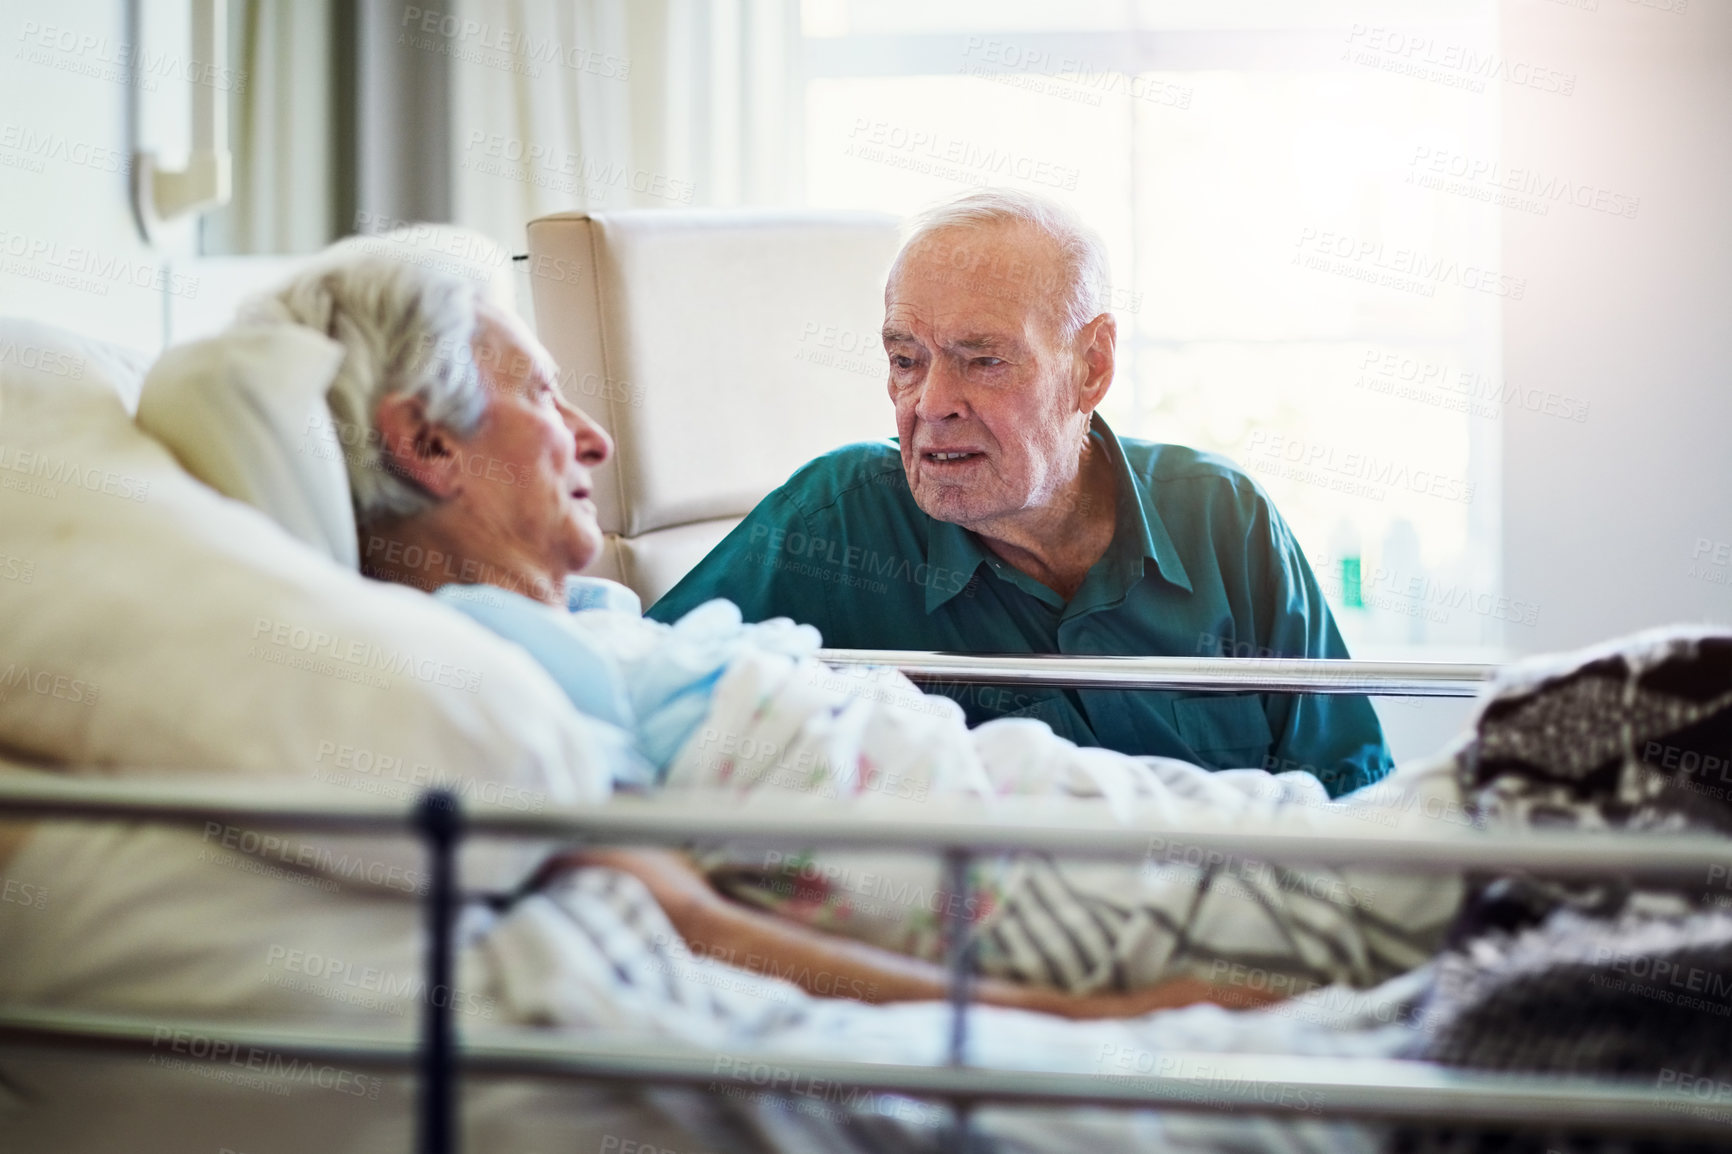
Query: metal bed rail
point(1361, 1089)
point(1026, 826)
point(1202, 674)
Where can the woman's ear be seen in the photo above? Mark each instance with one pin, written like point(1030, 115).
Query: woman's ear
point(421, 452)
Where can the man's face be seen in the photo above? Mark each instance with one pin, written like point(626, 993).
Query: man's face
point(986, 394)
point(526, 481)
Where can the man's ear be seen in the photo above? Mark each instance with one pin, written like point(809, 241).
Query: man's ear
point(416, 449)
point(1097, 344)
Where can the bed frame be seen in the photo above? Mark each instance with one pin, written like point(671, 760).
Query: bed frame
point(1344, 1089)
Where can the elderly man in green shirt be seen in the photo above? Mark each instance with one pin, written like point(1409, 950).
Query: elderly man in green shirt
point(1007, 518)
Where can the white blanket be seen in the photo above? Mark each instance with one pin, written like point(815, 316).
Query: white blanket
point(781, 726)
point(150, 921)
point(153, 921)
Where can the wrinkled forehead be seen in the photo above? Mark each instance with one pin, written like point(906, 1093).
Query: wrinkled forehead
point(1005, 276)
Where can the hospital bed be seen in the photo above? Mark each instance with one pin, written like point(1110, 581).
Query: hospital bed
point(1358, 1089)
point(722, 342)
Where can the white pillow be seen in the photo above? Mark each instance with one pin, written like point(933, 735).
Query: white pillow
point(245, 412)
point(167, 629)
point(53, 362)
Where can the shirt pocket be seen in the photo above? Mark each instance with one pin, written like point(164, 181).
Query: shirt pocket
point(1229, 732)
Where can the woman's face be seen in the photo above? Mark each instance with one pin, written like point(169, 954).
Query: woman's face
point(525, 488)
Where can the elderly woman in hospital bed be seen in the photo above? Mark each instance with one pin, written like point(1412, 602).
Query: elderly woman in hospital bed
point(471, 478)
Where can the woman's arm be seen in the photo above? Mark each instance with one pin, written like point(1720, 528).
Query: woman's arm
point(832, 966)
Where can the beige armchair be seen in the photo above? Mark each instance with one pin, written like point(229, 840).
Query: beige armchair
point(722, 349)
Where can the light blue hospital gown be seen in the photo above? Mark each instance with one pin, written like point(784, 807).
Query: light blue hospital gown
point(650, 680)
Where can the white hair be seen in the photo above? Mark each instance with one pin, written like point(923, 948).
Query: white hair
point(406, 329)
point(1084, 277)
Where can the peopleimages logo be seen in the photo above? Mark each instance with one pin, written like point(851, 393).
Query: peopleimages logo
point(87, 269)
point(1350, 471)
point(252, 1066)
point(272, 848)
point(357, 983)
point(951, 157)
point(104, 58)
point(1070, 78)
point(46, 683)
point(1424, 57)
point(45, 473)
point(524, 48)
point(1410, 270)
point(286, 637)
point(857, 558)
point(367, 771)
point(1459, 389)
point(54, 362)
point(39, 146)
point(803, 1093)
point(1184, 1076)
point(1520, 187)
point(494, 154)
point(24, 894)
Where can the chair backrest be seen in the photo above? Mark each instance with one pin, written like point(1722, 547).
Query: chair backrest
point(722, 348)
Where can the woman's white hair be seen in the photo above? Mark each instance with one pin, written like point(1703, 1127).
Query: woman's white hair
point(405, 329)
point(1083, 255)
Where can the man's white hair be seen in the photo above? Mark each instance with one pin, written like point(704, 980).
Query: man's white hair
point(405, 329)
point(1084, 276)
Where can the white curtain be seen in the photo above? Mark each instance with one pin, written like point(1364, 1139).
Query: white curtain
point(280, 117)
point(600, 105)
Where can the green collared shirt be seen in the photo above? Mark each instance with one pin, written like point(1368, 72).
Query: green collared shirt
point(1201, 564)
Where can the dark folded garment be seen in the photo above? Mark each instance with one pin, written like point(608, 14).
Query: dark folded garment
point(1603, 979)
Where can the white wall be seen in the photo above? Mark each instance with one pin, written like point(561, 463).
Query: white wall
point(69, 251)
point(1632, 315)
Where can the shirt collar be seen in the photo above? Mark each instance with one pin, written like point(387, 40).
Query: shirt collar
point(1140, 536)
point(951, 547)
